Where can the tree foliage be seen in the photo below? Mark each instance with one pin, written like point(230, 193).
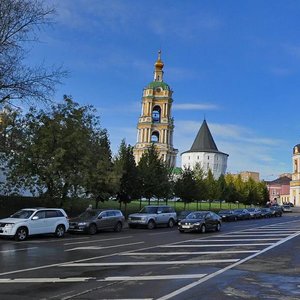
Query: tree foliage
point(20, 20)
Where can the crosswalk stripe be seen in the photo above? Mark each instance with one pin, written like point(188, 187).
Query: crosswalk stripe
point(154, 277)
point(44, 280)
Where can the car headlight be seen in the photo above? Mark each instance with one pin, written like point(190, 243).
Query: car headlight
point(197, 223)
point(9, 226)
point(82, 224)
point(179, 223)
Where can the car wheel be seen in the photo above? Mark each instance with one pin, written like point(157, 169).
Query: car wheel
point(151, 225)
point(21, 234)
point(60, 231)
point(218, 227)
point(118, 227)
point(203, 229)
point(92, 229)
point(171, 223)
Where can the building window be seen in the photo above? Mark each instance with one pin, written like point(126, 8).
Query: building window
point(155, 137)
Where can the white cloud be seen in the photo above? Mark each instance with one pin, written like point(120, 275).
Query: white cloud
point(195, 106)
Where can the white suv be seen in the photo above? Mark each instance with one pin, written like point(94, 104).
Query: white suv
point(152, 216)
point(30, 221)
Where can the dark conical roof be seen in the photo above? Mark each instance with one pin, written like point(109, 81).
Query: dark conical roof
point(204, 140)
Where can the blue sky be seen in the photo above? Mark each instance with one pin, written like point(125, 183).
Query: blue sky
point(235, 62)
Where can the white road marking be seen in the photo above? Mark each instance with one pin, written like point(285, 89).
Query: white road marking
point(255, 235)
point(159, 233)
point(150, 263)
point(105, 247)
point(44, 280)
point(15, 250)
point(238, 240)
point(212, 275)
point(99, 240)
point(214, 245)
point(188, 253)
point(53, 241)
point(154, 277)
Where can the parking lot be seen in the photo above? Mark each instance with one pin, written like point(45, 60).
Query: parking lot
point(252, 259)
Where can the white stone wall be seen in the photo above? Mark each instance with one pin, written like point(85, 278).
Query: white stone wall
point(216, 162)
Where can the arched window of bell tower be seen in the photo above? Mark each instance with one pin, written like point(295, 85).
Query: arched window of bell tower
point(155, 137)
point(156, 114)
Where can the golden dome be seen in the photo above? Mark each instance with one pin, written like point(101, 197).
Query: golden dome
point(159, 64)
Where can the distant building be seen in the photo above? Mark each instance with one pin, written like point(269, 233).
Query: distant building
point(205, 153)
point(295, 182)
point(156, 125)
point(279, 189)
point(246, 175)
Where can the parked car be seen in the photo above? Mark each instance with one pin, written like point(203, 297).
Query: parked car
point(94, 220)
point(276, 211)
point(31, 221)
point(200, 221)
point(266, 212)
point(255, 212)
point(286, 208)
point(242, 214)
point(228, 215)
point(183, 214)
point(152, 216)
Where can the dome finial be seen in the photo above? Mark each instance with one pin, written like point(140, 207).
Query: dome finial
point(158, 71)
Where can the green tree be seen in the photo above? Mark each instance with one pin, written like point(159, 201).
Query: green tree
point(186, 187)
point(20, 20)
point(153, 174)
point(56, 150)
point(126, 171)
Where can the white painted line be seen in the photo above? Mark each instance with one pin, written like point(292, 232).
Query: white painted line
point(99, 240)
point(255, 235)
point(44, 280)
point(214, 245)
point(238, 240)
point(100, 248)
point(212, 275)
point(275, 232)
point(188, 253)
point(15, 250)
point(154, 277)
point(150, 263)
point(160, 233)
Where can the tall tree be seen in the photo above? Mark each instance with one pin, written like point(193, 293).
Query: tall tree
point(56, 150)
point(153, 174)
point(127, 172)
point(20, 20)
point(186, 187)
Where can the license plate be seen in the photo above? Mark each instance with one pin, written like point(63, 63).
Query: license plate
point(71, 227)
point(185, 226)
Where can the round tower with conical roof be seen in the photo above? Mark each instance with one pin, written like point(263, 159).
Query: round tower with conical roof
point(156, 124)
point(204, 152)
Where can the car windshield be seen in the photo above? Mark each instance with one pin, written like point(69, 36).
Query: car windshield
point(196, 215)
point(225, 212)
point(239, 211)
point(89, 214)
point(251, 209)
point(149, 210)
point(22, 214)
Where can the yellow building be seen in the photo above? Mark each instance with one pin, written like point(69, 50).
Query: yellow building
point(295, 183)
point(156, 125)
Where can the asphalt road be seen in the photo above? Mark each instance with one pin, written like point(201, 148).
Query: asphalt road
point(255, 259)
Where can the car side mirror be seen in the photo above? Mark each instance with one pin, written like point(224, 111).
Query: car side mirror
point(35, 218)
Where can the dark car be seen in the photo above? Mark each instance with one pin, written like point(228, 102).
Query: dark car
point(266, 212)
point(182, 215)
point(96, 219)
point(255, 213)
point(200, 221)
point(276, 211)
point(242, 214)
point(228, 215)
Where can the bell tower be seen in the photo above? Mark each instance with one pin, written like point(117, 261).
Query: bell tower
point(156, 125)
point(295, 183)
